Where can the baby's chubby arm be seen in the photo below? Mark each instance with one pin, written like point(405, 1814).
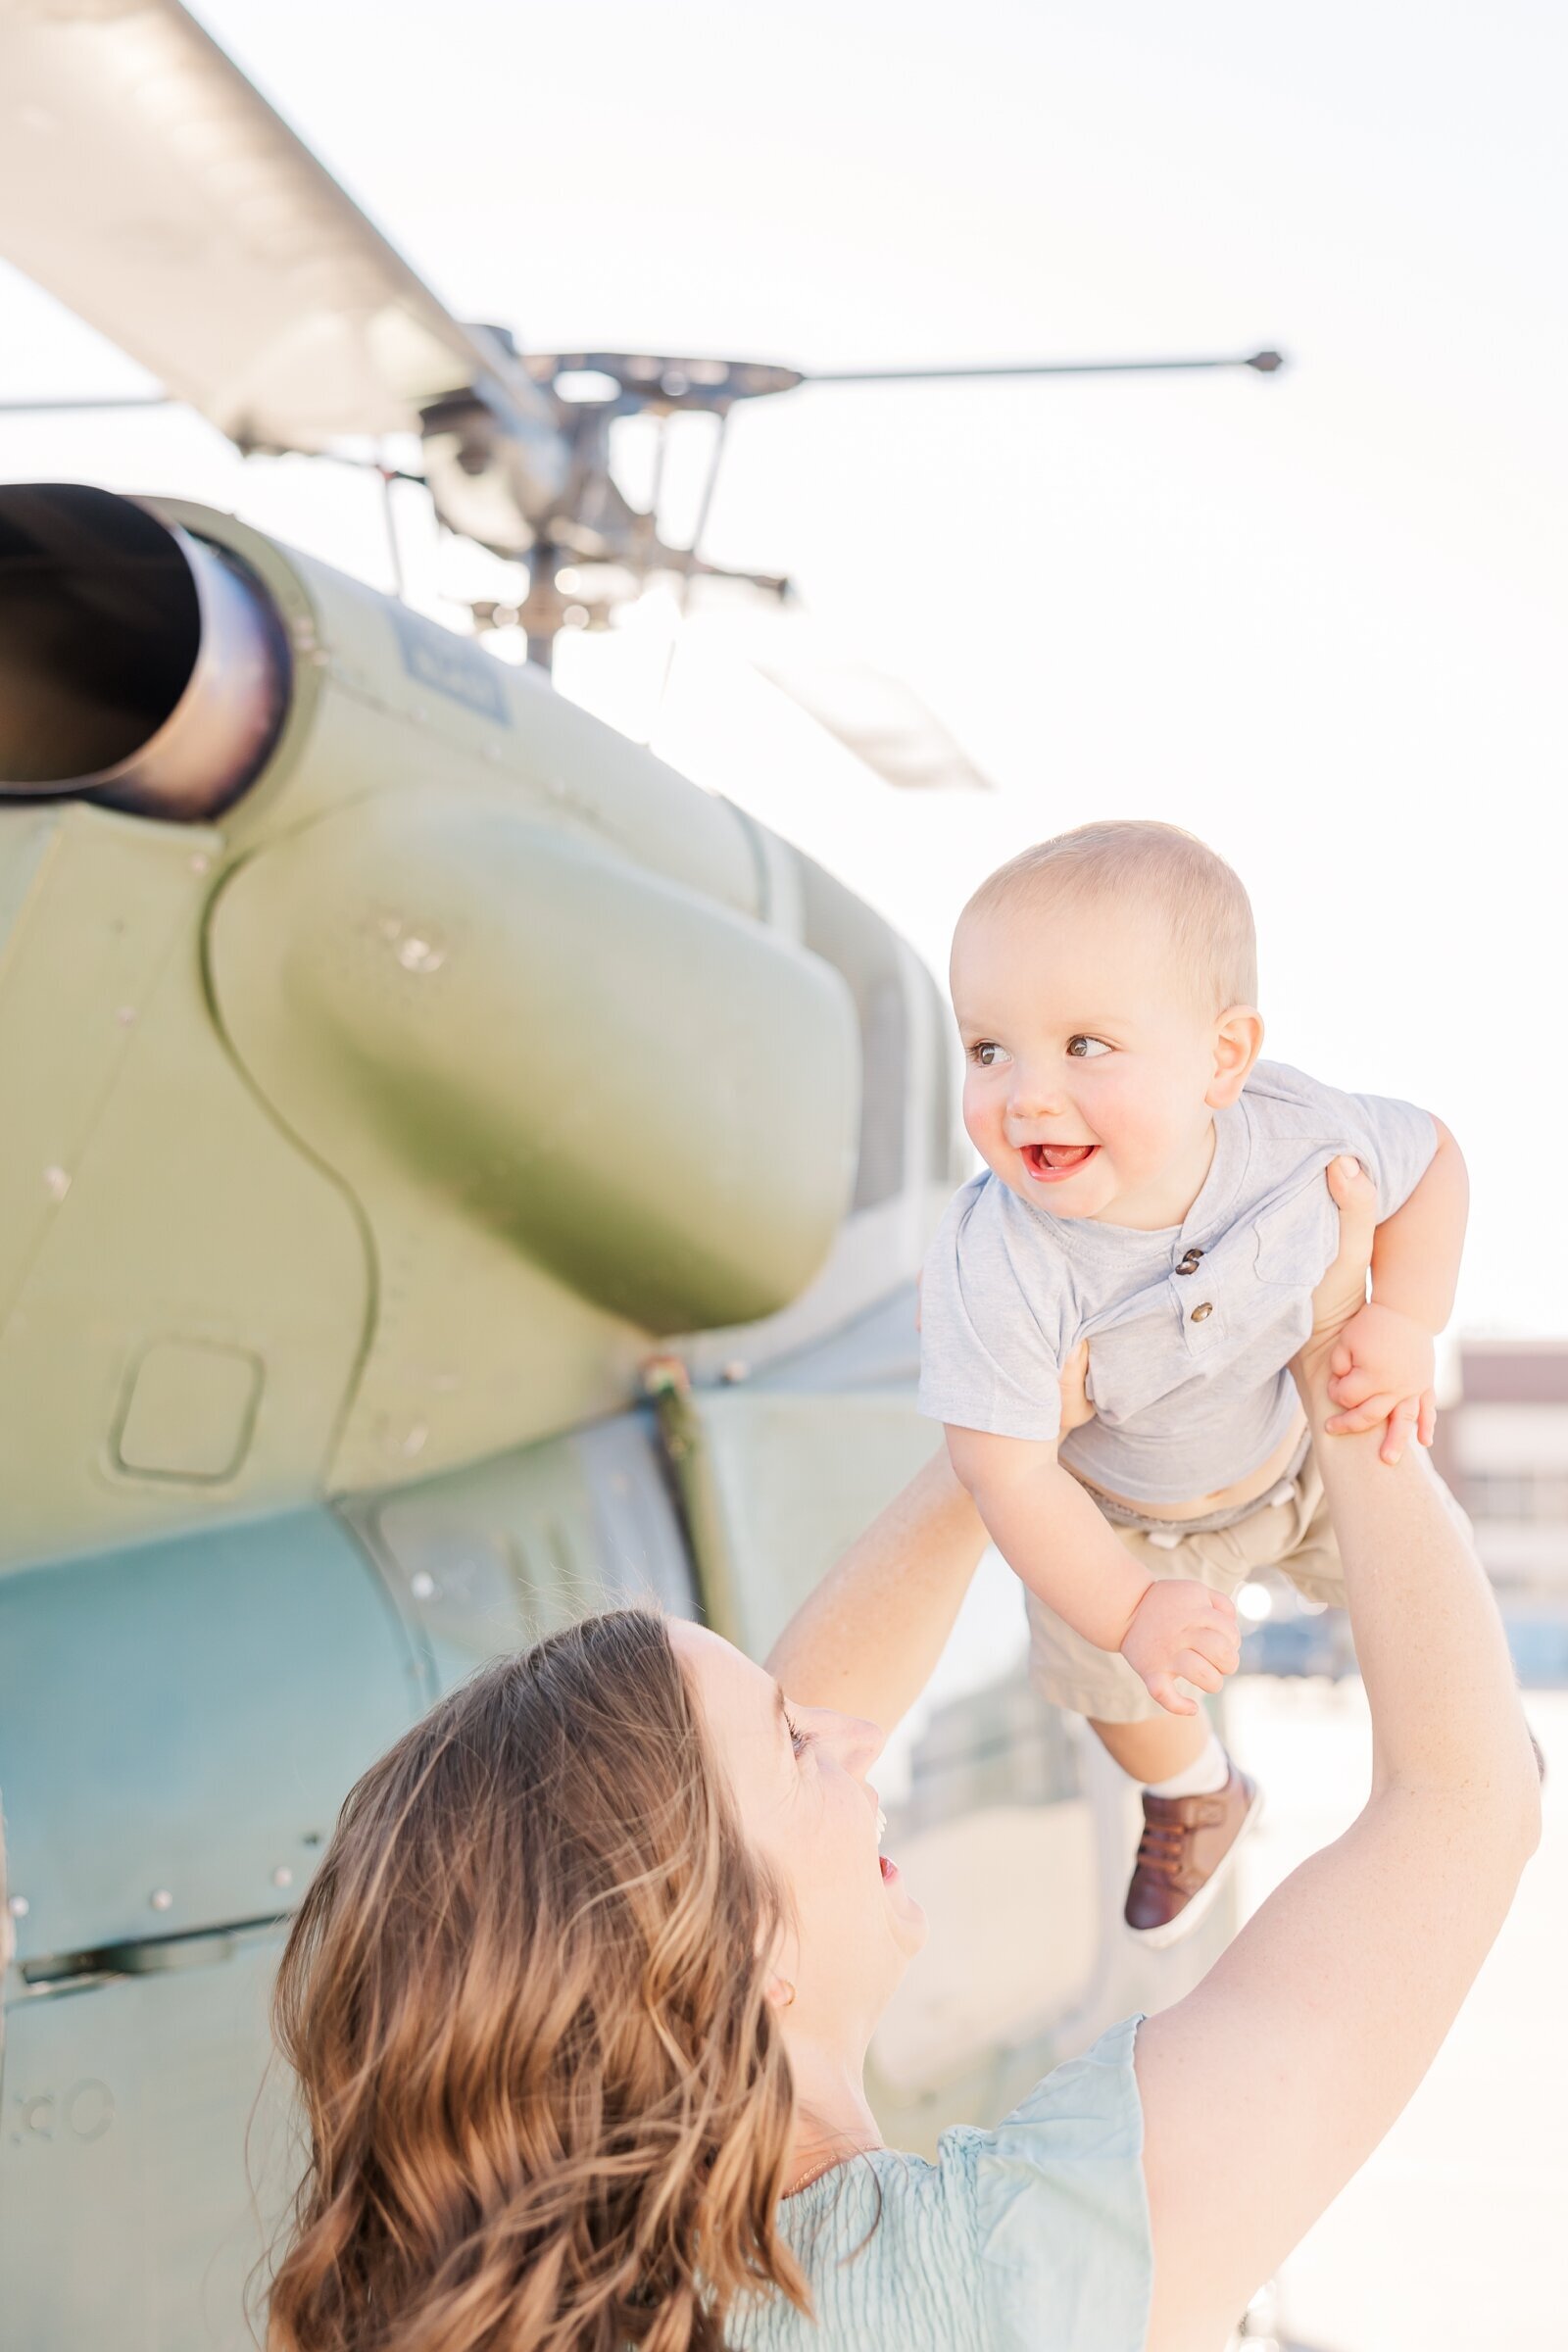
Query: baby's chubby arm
point(1382, 1364)
point(1054, 1540)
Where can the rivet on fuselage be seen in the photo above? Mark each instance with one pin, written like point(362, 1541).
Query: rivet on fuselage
point(419, 956)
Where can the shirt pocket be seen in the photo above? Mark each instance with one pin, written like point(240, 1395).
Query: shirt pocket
point(1297, 1239)
point(1132, 1366)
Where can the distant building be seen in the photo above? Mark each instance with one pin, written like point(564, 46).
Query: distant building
point(1503, 1449)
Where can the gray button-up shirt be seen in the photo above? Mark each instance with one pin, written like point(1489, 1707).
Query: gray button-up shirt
point(1188, 1370)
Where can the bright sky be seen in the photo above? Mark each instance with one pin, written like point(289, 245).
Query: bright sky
point(1317, 618)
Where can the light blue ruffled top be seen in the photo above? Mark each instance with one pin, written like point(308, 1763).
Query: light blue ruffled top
point(1032, 2237)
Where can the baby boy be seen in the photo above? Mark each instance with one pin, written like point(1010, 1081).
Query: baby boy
point(1154, 1188)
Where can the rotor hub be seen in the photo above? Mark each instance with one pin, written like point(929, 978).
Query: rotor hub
point(633, 382)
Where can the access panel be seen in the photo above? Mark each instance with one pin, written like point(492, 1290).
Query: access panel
point(178, 1725)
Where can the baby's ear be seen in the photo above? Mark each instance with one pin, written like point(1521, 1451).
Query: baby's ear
point(1237, 1040)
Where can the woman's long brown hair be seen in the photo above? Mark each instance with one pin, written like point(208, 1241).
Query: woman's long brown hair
point(546, 2104)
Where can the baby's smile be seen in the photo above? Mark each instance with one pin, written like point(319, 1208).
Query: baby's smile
point(1048, 1164)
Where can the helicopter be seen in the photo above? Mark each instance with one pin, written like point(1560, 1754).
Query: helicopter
point(339, 1350)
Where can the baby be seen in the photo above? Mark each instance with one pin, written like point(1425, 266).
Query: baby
point(1154, 1189)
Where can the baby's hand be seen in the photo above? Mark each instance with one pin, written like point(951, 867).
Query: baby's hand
point(1182, 1628)
point(1381, 1370)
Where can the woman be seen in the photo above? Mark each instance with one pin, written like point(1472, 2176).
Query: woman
point(580, 1997)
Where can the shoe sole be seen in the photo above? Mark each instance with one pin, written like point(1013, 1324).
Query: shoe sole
point(1158, 1939)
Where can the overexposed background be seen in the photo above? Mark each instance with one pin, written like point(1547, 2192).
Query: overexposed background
point(1317, 618)
point(1449, 2240)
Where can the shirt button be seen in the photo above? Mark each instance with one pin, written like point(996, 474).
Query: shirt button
point(1200, 1313)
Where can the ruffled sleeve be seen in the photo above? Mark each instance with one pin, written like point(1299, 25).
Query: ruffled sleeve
point(1066, 2258)
point(1033, 2237)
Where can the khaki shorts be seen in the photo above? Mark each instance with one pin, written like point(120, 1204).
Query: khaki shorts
point(1293, 1534)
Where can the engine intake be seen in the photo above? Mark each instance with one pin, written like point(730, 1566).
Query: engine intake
point(138, 666)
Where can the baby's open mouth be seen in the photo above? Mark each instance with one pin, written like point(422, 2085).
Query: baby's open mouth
point(1046, 1160)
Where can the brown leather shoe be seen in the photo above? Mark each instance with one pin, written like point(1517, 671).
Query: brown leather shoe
point(1188, 1845)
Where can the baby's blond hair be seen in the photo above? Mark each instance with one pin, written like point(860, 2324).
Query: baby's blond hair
point(1205, 911)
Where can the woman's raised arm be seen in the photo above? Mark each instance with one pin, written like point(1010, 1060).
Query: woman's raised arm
point(1270, 2084)
point(866, 1642)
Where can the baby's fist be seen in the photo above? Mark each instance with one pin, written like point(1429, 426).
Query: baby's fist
point(1381, 1370)
point(1182, 1628)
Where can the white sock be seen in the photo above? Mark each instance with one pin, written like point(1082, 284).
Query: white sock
point(1211, 1772)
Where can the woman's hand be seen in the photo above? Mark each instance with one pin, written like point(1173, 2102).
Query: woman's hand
point(1077, 1408)
point(1342, 1294)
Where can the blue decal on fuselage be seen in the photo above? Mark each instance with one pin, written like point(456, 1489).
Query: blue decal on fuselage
point(452, 666)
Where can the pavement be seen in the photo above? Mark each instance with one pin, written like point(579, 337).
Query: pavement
point(1452, 2238)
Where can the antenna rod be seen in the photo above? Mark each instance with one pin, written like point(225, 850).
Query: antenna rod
point(122, 400)
point(1265, 363)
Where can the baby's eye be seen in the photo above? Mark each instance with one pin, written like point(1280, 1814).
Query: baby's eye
point(799, 1740)
point(1087, 1049)
point(987, 1052)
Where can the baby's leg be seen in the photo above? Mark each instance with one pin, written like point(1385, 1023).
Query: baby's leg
point(1161, 1749)
point(1070, 1670)
point(1196, 1805)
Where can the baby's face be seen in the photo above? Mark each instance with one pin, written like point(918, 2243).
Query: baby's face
point(1087, 1063)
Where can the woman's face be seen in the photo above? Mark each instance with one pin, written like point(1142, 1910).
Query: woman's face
point(797, 1777)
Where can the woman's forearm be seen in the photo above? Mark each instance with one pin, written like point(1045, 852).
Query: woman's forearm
point(1273, 2081)
point(868, 1639)
point(1445, 1706)
point(1270, 2082)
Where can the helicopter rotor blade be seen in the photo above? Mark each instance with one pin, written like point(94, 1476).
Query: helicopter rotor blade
point(151, 188)
point(880, 719)
point(1264, 363)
